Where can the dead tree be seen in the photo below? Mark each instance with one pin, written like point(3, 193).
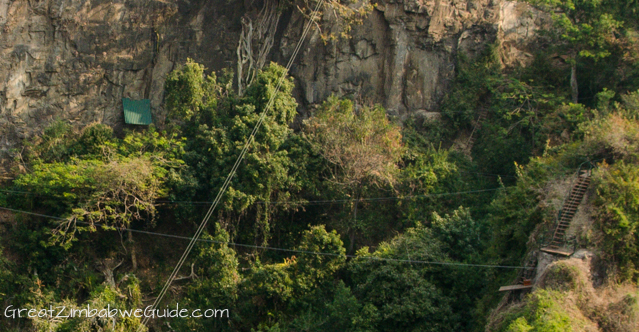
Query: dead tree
point(107, 266)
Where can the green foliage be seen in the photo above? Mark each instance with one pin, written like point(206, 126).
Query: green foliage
point(345, 313)
point(188, 91)
point(54, 142)
point(460, 233)
point(584, 25)
point(103, 298)
point(346, 154)
point(614, 136)
point(563, 277)
point(419, 134)
point(514, 214)
point(310, 270)
point(12, 284)
point(595, 38)
point(618, 214)
point(520, 325)
point(215, 133)
point(216, 285)
point(428, 171)
point(272, 292)
point(403, 294)
point(543, 312)
point(363, 147)
point(521, 113)
point(92, 177)
point(5, 276)
point(93, 138)
point(361, 151)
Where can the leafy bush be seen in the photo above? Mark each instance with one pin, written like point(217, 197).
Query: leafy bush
point(618, 214)
point(460, 233)
point(215, 133)
point(543, 312)
point(362, 151)
point(126, 297)
point(92, 177)
point(612, 136)
point(404, 295)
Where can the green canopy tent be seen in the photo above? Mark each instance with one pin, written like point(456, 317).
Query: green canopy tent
point(137, 112)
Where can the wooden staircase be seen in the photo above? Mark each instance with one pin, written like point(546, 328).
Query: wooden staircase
point(471, 139)
point(556, 245)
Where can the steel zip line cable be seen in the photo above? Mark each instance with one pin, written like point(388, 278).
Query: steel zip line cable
point(279, 249)
point(249, 141)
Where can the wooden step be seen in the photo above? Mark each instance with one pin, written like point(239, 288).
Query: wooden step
point(514, 287)
point(557, 251)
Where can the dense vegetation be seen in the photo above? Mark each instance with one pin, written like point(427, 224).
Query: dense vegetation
point(377, 198)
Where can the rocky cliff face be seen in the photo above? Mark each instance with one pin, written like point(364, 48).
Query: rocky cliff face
point(76, 59)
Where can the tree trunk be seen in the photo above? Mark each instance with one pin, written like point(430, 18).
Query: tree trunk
point(134, 260)
point(107, 266)
point(351, 233)
point(573, 82)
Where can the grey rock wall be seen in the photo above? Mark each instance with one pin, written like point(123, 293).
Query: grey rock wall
point(76, 59)
point(403, 56)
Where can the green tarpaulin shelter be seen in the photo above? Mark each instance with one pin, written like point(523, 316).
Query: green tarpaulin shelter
point(137, 112)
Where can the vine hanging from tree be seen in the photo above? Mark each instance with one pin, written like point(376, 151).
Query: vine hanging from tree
point(260, 26)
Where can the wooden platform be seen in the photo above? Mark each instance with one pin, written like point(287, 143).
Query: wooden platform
point(562, 252)
point(514, 287)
